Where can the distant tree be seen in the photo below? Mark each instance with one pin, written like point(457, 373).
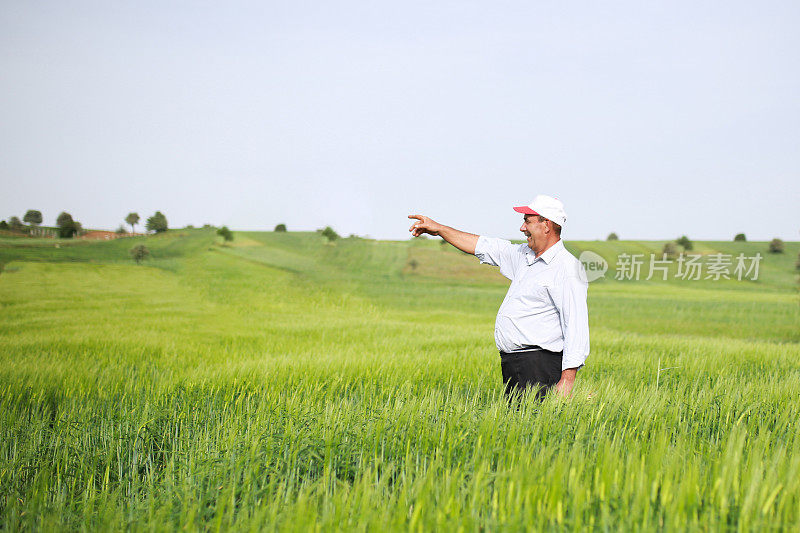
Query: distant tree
point(33, 217)
point(207, 226)
point(225, 233)
point(157, 223)
point(329, 233)
point(280, 227)
point(132, 219)
point(67, 227)
point(612, 237)
point(189, 226)
point(739, 237)
point(3, 224)
point(121, 230)
point(776, 246)
point(67, 231)
point(139, 253)
point(670, 249)
point(685, 242)
point(63, 218)
point(15, 224)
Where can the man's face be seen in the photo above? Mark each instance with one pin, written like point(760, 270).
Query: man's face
point(534, 230)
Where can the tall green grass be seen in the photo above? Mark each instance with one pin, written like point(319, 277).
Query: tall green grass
point(284, 383)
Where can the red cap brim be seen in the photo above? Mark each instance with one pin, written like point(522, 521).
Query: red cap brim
point(525, 210)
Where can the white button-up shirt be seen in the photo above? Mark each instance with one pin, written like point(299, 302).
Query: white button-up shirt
point(546, 303)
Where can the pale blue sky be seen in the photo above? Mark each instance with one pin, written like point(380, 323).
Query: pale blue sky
point(651, 119)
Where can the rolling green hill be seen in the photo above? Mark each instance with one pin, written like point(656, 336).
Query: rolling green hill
point(283, 382)
point(422, 274)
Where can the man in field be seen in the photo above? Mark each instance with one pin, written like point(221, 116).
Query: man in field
point(542, 327)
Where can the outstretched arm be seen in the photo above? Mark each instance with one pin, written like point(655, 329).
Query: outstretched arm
point(460, 239)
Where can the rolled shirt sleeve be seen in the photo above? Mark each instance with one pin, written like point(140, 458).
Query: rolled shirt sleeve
point(570, 301)
point(497, 252)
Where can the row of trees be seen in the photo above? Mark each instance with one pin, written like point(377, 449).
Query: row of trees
point(327, 232)
point(156, 223)
point(776, 245)
point(68, 227)
point(739, 237)
point(32, 217)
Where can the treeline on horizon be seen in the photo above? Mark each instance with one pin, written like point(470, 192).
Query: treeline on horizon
point(67, 227)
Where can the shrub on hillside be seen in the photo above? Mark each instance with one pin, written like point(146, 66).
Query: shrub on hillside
point(329, 233)
point(776, 246)
point(612, 237)
point(739, 237)
point(225, 233)
point(139, 253)
point(670, 250)
point(121, 230)
point(280, 228)
point(3, 224)
point(685, 242)
point(157, 223)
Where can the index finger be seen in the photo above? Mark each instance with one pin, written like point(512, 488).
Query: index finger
point(418, 217)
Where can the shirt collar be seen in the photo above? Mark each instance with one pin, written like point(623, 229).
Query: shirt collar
point(547, 256)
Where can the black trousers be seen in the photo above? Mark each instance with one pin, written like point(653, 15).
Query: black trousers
point(534, 368)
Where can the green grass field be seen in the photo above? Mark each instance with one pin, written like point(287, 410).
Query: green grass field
point(281, 382)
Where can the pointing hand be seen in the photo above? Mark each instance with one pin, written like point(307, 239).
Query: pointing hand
point(424, 225)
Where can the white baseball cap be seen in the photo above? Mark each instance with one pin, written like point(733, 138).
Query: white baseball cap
point(546, 206)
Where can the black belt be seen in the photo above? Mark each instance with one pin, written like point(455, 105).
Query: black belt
point(523, 350)
point(528, 349)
